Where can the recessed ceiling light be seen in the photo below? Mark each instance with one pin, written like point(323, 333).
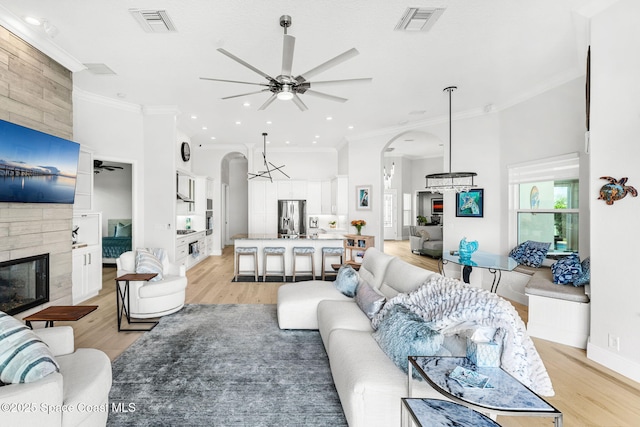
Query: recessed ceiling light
point(32, 21)
point(238, 122)
point(350, 126)
point(213, 137)
point(246, 104)
point(268, 142)
point(314, 142)
point(287, 142)
point(194, 117)
point(204, 128)
point(329, 118)
point(269, 122)
point(317, 136)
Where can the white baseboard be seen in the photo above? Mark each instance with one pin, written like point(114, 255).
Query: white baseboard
point(216, 252)
point(614, 361)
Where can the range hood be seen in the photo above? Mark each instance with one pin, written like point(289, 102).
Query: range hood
point(183, 197)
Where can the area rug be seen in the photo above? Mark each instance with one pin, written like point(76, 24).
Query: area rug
point(224, 365)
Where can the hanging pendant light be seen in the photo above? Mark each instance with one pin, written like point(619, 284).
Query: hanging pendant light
point(269, 167)
point(450, 181)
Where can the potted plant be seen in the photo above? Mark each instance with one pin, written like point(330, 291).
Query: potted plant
point(422, 220)
point(332, 224)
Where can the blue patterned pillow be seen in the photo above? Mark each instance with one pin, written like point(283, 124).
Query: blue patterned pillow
point(566, 270)
point(24, 358)
point(584, 277)
point(148, 262)
point(402, 333)
point(347, 280)
point(530, 253)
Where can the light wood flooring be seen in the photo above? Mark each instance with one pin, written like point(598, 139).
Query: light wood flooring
point(587, 393)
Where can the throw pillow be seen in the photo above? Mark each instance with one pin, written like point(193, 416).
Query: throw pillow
point(368, 299)
point(123, 230)
point(347, 280)
point(424, 234)
point(24, 358)
point(403, 333)
point(566, 270)
point(530, 253)
point(148, 262)
point(584, 277)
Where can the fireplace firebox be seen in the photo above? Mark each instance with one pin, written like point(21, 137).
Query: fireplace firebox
point(24, 283)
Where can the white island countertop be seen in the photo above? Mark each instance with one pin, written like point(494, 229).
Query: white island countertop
point(320, 236)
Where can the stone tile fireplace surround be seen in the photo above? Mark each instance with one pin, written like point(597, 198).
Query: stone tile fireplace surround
point(36, 92)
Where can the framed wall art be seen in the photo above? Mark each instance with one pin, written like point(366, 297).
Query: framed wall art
point(470, 203)
point(437, 206)
point(363, 197)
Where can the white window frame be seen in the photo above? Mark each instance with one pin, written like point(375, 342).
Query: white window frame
point(556, 168)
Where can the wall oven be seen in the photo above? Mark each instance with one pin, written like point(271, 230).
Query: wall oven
point(209, 222)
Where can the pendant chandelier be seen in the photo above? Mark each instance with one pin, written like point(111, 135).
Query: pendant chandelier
point(450, 181)
point(269, 167)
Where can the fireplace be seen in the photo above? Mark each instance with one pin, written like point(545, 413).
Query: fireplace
point(24, 283)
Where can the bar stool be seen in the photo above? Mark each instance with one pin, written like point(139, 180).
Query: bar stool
point(273, 251)
point(246, 251)
point(330, 252)
point(303, 251)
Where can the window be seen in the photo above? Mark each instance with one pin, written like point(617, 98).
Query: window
point(406, 209)
point(546, 203)
point(388, 210)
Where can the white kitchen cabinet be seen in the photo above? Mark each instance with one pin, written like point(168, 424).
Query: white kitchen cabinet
point(292, 189)
point(339, 196)
point(191, 249)
point(325, 197)
point(84, 182)
point(314, 198)
point(263, 207)
point(86, 275)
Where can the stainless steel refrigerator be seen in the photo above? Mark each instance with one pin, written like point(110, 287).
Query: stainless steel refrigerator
point(291, 217)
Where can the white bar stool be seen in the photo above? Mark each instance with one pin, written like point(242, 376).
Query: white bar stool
point(273, 251)
point(330, 252)
point(246, 251)
point(304, 251)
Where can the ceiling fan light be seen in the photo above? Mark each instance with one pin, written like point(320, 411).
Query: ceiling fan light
point(285, 94)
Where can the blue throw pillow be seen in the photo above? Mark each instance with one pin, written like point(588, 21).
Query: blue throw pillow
point(566, 270)
point(368, 299)
point(530, 253)
point(347, 280)
point(585, 276)
point(402, 333)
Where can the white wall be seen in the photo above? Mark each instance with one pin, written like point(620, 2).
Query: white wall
point(305, 165)
point(615, 152)
point(238, 197)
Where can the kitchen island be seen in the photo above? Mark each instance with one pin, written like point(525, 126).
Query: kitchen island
point(261, 241)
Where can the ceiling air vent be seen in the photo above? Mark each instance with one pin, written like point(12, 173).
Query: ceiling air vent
point(154, 21)
point(96, 68)
point(419, 19)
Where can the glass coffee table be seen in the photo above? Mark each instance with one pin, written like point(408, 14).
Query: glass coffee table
point(506, 397)
point(441, 413)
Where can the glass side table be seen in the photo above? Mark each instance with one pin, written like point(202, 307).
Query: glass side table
point(441, 413)
point(507, 397)
point(496, 264)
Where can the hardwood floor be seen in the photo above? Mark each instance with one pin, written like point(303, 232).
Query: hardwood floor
point(587, 393)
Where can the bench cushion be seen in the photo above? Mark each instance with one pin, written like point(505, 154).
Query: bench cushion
point(541, 284)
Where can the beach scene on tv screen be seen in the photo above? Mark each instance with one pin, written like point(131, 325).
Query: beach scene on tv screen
point(36, 167)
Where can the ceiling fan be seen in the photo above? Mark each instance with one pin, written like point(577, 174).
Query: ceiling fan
point(98, 166)
point(286, 86)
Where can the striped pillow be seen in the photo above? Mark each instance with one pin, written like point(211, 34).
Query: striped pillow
point(148, 262)
point(24, 358)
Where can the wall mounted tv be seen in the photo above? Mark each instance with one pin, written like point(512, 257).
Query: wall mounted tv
point(36, 167)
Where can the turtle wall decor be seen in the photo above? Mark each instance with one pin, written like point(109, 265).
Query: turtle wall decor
point(615, 189)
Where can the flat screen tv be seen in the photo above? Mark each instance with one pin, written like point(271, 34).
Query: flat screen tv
point(36, 167)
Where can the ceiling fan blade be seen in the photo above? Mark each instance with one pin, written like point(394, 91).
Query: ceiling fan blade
point(234, 81)
point(245, 94)
point(325, 96)
point(287, 54)
point(329, 64)
point(339, 82)
point(246, 64)
point(268, 102)
point(296, 100)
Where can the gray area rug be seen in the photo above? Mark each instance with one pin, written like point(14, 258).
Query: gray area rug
point(225, 365)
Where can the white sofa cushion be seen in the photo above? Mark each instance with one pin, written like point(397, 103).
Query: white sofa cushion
point(374, 265)
point(298, 303)
point(168, 286)
point(402, 277)
point(334, 315)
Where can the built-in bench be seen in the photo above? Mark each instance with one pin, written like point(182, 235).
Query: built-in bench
point(558, 313)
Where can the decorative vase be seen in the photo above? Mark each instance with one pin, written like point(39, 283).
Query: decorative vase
point(466, 249)
point(359, 230)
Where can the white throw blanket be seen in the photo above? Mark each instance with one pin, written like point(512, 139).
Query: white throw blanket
point(446, 302)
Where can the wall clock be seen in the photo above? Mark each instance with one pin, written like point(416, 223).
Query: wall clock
point(185, 151)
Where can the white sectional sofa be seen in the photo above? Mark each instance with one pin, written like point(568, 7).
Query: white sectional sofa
point(369, 384)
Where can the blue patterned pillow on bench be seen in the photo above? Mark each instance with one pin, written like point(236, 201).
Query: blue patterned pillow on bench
point(530, 253)
point(567, 270)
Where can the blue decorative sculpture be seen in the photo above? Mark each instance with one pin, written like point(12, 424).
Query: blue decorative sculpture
point(467, 248)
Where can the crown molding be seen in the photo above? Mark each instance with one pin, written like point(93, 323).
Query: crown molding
point(39, 40)
point(106, 101)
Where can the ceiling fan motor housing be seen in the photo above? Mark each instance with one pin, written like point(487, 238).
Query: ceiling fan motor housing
point(285, 22)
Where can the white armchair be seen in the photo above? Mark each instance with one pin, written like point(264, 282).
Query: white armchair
point(154, 299)
point(78, 395)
